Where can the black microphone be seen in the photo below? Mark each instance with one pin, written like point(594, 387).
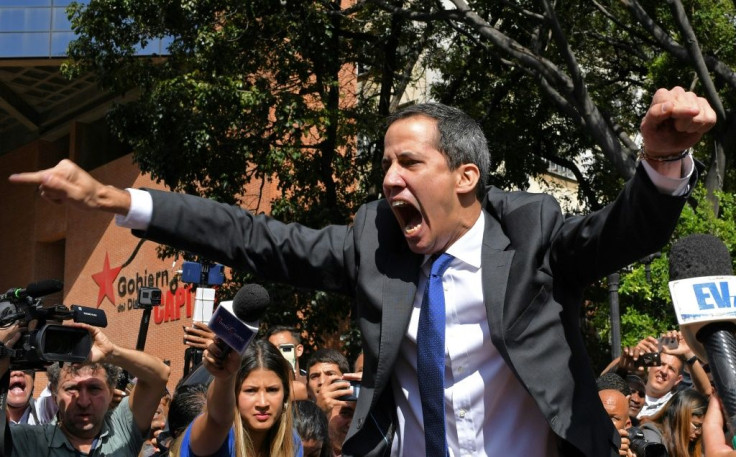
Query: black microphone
point(34, 290)
point(236, 327)
point(700, 274)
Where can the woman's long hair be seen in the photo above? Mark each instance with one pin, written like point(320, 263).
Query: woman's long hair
point(674, 421)
point(280, 438)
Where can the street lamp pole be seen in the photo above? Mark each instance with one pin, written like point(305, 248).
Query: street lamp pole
point(613, 281)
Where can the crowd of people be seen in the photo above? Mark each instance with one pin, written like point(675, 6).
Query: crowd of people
point(662, 400)
point(261, 404)
point(255, 404)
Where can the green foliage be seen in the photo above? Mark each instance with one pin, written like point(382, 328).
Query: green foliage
point(645, 301)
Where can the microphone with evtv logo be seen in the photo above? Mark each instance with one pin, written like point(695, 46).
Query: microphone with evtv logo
point(236, 323)
point(703, 290)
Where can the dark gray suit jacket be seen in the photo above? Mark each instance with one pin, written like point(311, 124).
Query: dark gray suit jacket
point(535, 264)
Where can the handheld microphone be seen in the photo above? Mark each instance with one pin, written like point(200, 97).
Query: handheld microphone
point(34, 290)
point(701, 281)
point(236, 323)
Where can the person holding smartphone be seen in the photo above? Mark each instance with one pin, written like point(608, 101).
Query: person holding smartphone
point(289, 343)
point(670, 355)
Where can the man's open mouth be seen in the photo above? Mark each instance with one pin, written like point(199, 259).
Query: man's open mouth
point(409, 217)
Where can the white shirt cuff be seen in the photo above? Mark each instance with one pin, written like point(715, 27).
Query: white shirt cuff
point(672, 186)
point(140, 212)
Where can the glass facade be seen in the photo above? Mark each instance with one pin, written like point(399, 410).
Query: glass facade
point(40, 28)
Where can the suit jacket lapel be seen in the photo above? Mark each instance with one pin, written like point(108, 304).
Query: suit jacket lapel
point(496, 263)
point(398, 298)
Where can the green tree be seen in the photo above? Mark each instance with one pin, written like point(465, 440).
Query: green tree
point(553, 80)
point(268, 88)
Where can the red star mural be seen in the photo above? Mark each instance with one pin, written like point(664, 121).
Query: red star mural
point(104, 280)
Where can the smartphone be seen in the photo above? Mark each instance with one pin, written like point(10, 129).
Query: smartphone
point(649, 359)
point(669, 342)
point(287, 350)
point(356, 391)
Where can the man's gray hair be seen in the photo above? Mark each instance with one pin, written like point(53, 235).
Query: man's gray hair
point(461, 139)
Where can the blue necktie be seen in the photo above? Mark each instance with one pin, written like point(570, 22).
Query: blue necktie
point(431, 359)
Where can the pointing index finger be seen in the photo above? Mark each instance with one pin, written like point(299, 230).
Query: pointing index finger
point(31, 177)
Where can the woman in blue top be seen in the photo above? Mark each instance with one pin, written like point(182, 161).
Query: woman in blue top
point(249, 411)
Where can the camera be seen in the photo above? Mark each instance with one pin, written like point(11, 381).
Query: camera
point(147, 297)
point(669, 342)
point(43, 339)
point(643, 448)
point(653, 359)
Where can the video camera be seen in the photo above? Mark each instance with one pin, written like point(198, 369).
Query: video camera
point(639, 445)
point(42, 343)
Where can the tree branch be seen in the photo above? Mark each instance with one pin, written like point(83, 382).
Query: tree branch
point(696, 57)
point(669, 45)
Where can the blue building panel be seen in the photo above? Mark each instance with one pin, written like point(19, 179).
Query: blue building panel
point(41, 28)
point(24, 44)
point(24, 3)
point(13, 19)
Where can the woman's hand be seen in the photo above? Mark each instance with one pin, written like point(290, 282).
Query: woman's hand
point(220, 364)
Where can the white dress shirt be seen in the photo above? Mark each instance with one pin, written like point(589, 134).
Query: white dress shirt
point(488, 411)
point(653, 405)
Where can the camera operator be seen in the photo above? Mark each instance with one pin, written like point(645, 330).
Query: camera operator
point(83, 392)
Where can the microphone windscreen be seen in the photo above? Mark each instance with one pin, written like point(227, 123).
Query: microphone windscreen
point(44, 287)
point(250, 303)
point(699, 255)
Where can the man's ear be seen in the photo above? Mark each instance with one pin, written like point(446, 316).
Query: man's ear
point(468, 175)
point(299, 350)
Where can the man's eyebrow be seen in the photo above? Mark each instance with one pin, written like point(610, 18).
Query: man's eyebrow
point(400, 155)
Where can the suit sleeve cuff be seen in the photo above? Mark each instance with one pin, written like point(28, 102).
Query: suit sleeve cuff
point(675, 187)
point(141, 210)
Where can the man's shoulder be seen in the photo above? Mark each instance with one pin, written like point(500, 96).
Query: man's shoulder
point(506, 201)
point(374, 214)
point(521, 210)
point(121, 414)
point(119, 433)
